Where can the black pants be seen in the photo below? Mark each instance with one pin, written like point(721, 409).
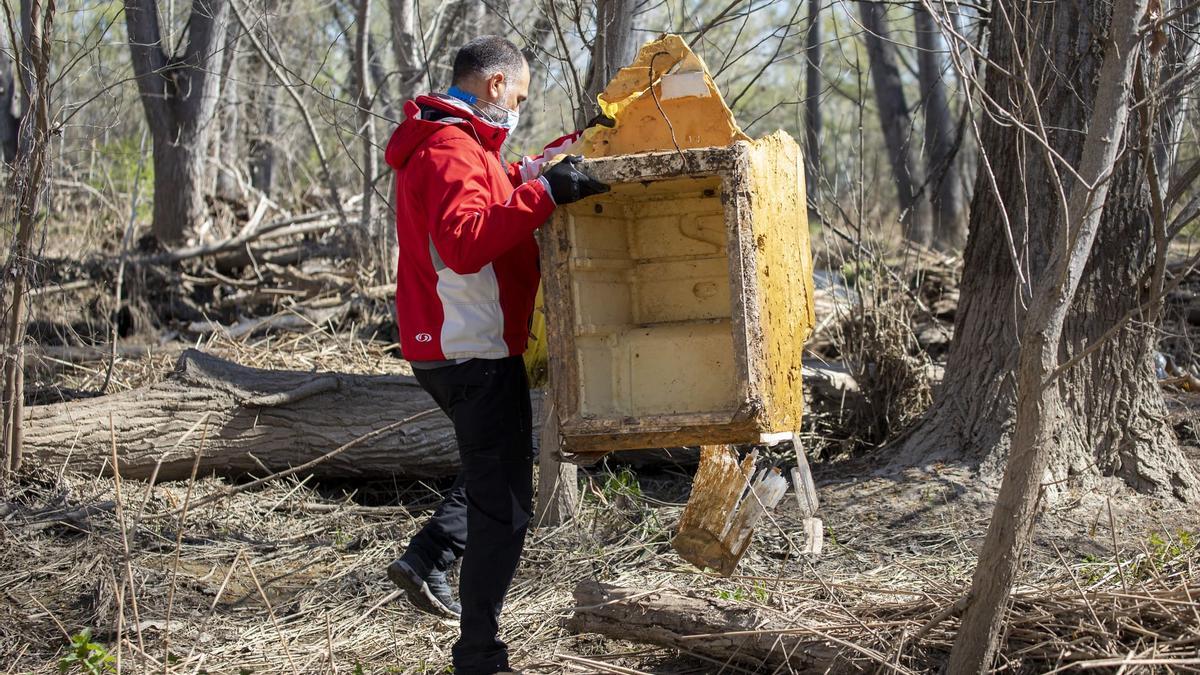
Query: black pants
point(486, 513)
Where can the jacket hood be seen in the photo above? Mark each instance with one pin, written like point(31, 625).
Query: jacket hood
point(428, 114)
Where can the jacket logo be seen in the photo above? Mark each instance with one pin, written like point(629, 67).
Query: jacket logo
point(424, 337)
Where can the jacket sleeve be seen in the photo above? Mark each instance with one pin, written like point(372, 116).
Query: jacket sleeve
point(468, 227)
point(529, 168)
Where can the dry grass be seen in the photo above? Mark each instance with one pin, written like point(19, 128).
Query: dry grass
point(289, 578)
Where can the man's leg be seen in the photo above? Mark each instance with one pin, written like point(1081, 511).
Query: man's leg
point(494, 426)
point(442, 539)
point(420, 572)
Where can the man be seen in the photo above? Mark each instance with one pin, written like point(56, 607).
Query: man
point(466, 282)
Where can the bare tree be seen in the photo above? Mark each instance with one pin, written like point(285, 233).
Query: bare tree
point(944, 188)
point(1072, 230)
point(227, 146)
point(178, 89)
point(812, 100)
point(1110, 417)
point(24, 195)
point(613, 47)
point(10, 122)
point(360, 62)
point(263, 108)
point(405, 45)
point(896, 122)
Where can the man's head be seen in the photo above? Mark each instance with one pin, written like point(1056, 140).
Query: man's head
point(494, 70)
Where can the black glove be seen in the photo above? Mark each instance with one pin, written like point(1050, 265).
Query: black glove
point(600, 120)
point(568, 184)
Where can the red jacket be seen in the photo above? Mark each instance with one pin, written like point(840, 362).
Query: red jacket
point(468, 267)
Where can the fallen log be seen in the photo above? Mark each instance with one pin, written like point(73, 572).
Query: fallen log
point(719, 630)
point(256, 422)
point(253, 422)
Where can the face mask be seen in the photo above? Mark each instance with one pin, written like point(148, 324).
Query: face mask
point(510, 117)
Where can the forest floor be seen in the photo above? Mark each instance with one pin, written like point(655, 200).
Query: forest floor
point(289, 577)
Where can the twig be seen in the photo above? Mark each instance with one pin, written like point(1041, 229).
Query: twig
point(112, 432)
point(230, 491)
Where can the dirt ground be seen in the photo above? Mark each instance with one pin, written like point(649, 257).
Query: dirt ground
point(289, 578)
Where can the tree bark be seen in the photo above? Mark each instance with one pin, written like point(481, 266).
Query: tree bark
point(812, 103)
point(25, 189)
point(264, 105)
point(372, 239)
point(944, 189)
point(10, 122)
point(1039, 397)
point(612, 49)
point(1115, 418)
point(896, 123)
point(257, 420)
point(404, 45)
point(227, 147)
point(558, 482)
point(667, 618)
point(179, 96)
point(25, 75)
point(262, 421)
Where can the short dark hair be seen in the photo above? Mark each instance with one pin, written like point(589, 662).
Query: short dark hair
point(487, 54)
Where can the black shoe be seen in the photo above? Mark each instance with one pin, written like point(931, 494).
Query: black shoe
point(436, 582)
point(418, 591)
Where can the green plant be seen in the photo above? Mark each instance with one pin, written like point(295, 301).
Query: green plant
point(739, 594)
point(736, 595)
point(621, 484)
point(1163, 550)
point(90, 657)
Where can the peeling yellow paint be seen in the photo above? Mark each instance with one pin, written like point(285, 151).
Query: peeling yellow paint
point(680, 301)
point(664, 100)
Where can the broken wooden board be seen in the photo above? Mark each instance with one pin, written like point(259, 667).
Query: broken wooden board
point(728, 498)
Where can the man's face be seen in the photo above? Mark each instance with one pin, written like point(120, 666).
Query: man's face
point(509, 93)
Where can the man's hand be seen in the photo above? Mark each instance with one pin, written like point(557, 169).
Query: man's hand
point(567, 183)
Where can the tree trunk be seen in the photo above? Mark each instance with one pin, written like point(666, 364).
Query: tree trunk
point(944, 189)
point(263, 420)
point(463, 21)
point(1039, 418)
point(257, 420)
point(373, 244)
point(25, 76)
point(10, 122)
point(558, 482)
point(180, 208)
point(612, 49)
point(228, 144)
point(812, 103)
point(666, 618)
point(535, 49)
point(896, 123)
point(1114, 422)
point(409, 73)
point(25, 189)
point(179, 96)
point(264, 105)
